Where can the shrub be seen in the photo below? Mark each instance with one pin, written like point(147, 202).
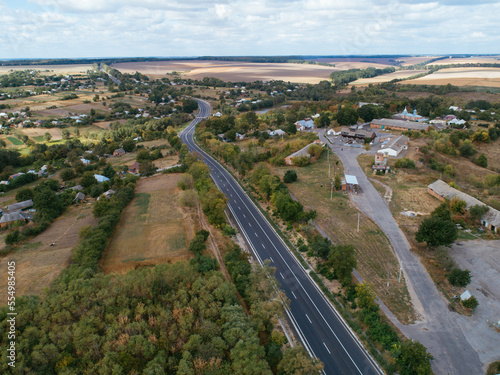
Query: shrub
point(471, 303)
point(13, 237)
point(188, 198)
point(290, 176)
point(458, 277)
point(229, 230)
point(301, 161)
point(405, 163)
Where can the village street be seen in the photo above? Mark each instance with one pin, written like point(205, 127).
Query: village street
point(437, 327)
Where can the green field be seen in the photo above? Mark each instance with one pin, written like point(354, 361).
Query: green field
point(39, 138)
point(15, 141)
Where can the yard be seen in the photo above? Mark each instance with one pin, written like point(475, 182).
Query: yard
point(338, 219)
point(154, 227)
point(38, 263)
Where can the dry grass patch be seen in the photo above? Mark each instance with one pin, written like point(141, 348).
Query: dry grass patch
point(56, 133)
point(338, 218)
point(49, 69)
point(38, 263)
point(153, 229)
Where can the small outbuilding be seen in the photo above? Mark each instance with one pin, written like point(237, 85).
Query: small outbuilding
point(349, 183)
point(119, 152)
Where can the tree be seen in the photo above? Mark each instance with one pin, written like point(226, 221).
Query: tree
point(471, 303)
point(109, 171)
point(458, 277)
point(47, 136)
point(442, 211)
point(368, 112)
point(67, 174)
point(467, 149)
point(290, 176)
point(413, 359)
point(437, 232)
point(291, 129)
point(347, 116)
point(343, 260)
point(128, 145)
point(297, 361)
point(482, 161)
point(323, 121)
point(337, 182)
point(189, 105)
point(88, 179)
point(231, 135)
point(366, 296)
point(147, 168)
point(315, 150)
point(65, 134)
point(24, 194)
point(48, 204)
point(477, 211)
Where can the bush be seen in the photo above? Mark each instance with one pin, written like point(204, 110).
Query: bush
point(290, 176)
point(13, 237)
point(24, 194)
point(405, 163)
point(188, 198)
point(471, 303)
point(301, 161)
point(458, 277)
point(229, 230)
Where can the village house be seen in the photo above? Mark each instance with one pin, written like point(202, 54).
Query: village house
point(119, 152)
point(442, 191)
point(134, 168)
point(305, 124)
point(380, 163)
point(357, 133)
point(277, 132)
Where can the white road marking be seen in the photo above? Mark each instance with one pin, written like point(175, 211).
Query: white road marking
point(264, 248)
point(249, 224)
point(294, 294)
point(271, 259)
point(307, 316)
point(244, 216)
point(327, 348)
point(282, 276)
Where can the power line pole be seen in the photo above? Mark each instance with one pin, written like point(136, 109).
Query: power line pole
point(358, 222)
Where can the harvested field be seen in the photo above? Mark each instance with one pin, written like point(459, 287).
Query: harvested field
point(154, 228)
point(358, 62)
point(468, 60)
point(488, 77)
point(407, 61)
point(338, 219)
point(39, 132)
point(49, 69)
point(231, 71)
point(400, 74)
point(38, 263)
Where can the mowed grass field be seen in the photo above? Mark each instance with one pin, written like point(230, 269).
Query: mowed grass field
point(231, 70)
point(154, 227)
point(487, 77)
point(38, 263)
point(338, 218)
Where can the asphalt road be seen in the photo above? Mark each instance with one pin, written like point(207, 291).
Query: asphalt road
point(320, 328)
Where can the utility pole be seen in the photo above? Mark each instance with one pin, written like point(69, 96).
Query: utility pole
point(358, 222)
point(331, 190)
point(400, 269)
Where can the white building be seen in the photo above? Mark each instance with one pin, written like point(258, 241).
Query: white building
point(395, 146)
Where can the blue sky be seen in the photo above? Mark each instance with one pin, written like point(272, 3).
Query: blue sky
point(107, 28)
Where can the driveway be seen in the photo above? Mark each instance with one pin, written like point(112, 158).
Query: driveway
point(437, 327)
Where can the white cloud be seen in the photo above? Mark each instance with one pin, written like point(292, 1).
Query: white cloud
point(73, 28)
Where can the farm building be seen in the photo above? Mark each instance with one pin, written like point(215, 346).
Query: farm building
point(456, 123)
point(356, 133)
point(302, 152)
point(442, 191)
point(118, 152)
point(20, 205)
point(405, 115)
point(387, 124)
point(349, 183)
point(395, 146)
point(13, 217)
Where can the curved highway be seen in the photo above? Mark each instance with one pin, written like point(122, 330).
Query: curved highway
point(320, 328)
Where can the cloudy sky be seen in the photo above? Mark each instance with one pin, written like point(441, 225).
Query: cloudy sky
point(112, 28)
